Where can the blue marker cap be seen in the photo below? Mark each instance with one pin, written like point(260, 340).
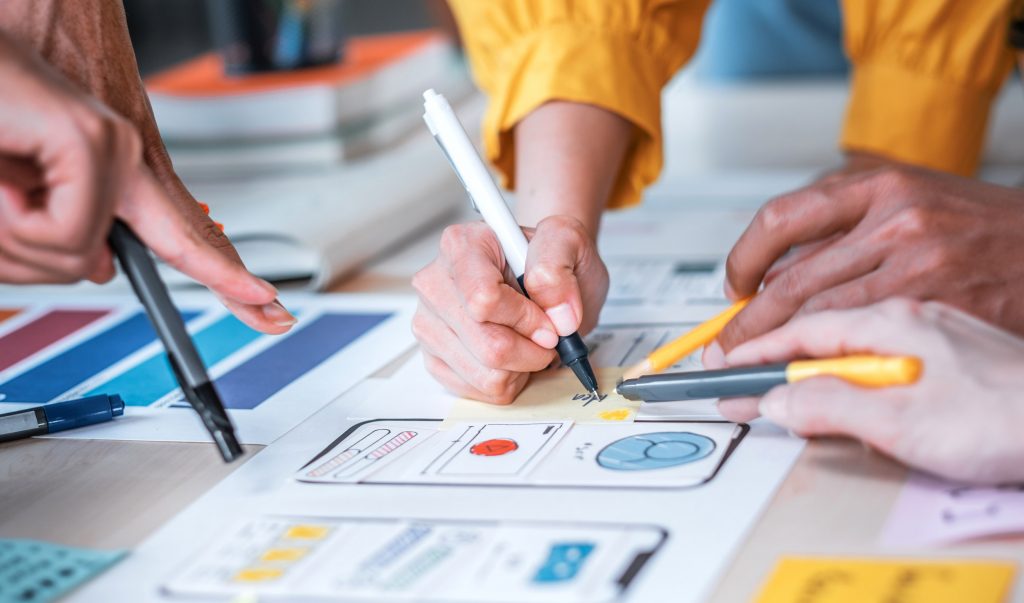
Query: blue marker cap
point(79, 413)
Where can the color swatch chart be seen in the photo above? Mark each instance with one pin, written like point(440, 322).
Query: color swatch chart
point(53, 349)
point(59, 353)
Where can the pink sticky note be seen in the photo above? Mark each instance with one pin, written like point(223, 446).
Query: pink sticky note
point(932, 511)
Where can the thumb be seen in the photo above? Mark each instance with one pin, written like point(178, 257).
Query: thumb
point(556, 263)
point(831, 406)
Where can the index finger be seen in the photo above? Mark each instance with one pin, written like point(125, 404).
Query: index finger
point(488, 298)
point(881, 328)
point(813, 213)
point(154, 217)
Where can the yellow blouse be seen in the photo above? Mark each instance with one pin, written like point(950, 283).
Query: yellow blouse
point(924, 72)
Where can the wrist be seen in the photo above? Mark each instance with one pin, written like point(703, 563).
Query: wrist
point(567, 158)
point(532, 209)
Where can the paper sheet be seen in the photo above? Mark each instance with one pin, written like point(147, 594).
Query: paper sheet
point(56, 350)
point(931, 511)
point(696, 552)
point(679, 233)
point(38, 572)
point(625, 345)
point(397, 559)
point(558, 454)
point(622, 340)
point(664, 280)
point(849, 580)
point(411, 392)
point(555, 394)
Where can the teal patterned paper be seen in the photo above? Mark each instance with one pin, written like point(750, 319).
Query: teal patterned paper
point(37, 572)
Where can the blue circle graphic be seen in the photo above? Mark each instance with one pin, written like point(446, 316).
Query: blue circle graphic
point(646, 451)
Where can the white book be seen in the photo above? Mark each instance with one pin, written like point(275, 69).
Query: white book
point(206, 160)
point(318, 227)
point(218, 108)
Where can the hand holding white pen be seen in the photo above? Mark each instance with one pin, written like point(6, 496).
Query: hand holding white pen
point(481, 337)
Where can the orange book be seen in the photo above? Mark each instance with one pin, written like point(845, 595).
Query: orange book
point(198, 102)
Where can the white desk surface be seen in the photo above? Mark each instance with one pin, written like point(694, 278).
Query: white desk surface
point(114, 494)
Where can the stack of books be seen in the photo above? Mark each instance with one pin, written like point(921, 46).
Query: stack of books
point(317, 171)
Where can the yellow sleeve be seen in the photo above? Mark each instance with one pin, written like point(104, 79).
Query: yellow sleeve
point(925, 74)
point(615, 54)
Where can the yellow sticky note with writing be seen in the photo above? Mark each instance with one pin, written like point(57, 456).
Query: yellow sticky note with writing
point(555, 395)
point(848, 580)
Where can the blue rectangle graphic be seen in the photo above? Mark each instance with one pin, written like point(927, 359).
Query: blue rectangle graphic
point(152, 379)
point(251, 383)
point(74, 365)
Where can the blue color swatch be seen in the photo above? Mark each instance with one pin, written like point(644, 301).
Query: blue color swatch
point(152, 379)
point(266, 373)
point(564, 562)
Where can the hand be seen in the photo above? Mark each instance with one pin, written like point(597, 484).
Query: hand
point(68, 166)
point(961, 420)
point(481, 338)
point(895, 231)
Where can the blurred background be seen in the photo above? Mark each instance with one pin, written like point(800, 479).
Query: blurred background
point(301, 164)
point(165, 33)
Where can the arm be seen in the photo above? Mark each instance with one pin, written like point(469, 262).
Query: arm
point(88, 43)
point(568, 156)
point(923, 79)
point(574, 125)
point(924, 76)
point(68, 166)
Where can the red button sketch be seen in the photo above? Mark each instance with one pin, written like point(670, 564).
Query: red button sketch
point(494, 447)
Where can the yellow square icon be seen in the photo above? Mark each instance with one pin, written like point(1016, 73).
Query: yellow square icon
point(307, 532)
point(284, 554)
point(258, 574)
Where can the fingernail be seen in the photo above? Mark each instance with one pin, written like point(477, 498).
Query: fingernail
point(773, 409)
point(545, 338)
point(714, 356)
point(278, 314)
point(564, 319)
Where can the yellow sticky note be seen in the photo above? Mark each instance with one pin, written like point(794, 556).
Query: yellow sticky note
point(258, 574)
point(284, 554)
point(307, 532)
point(554, 396)
point(842, 580)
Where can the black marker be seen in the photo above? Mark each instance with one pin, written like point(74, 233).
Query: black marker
point(188, 367)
